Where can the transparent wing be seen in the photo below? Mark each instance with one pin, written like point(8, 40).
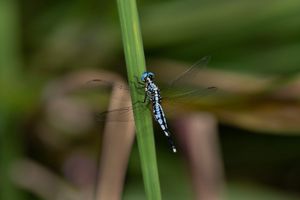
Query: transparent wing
point(173, 92)
point(124, 114)
point(192, 93)
point(178, 88)
point(116, 115)
point(190, 72)
point(102, 82)
point(177, 81)
point(120, 114)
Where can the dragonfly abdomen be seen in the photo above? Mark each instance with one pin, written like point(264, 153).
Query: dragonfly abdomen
point(159, 116)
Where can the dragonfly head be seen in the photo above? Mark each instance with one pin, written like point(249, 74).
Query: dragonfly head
point(146, 75)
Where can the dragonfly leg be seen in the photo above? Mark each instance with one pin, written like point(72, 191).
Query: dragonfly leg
point(138, 85)
point(138, 81)
point(146, 99)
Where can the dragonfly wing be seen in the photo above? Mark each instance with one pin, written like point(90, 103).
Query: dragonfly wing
point(107, 83)
point(190, 72)
point(178, 87)
point(192, 93)
point(117, 115)
point(124, 114)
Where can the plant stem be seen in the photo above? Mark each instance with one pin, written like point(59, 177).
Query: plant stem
point(135, 61)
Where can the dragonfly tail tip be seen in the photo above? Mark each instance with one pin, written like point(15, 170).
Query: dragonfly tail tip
point(174, 149)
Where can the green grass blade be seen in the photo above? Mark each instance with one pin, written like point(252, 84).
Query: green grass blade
point(135, 61)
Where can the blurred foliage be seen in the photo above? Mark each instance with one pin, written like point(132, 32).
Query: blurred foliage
point(257, 41)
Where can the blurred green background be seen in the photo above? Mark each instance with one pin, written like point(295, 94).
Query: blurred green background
point(254, 47)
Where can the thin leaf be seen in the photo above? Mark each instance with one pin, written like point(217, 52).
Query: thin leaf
point(135, 61)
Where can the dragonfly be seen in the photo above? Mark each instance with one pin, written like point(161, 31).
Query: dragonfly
point(152, 95)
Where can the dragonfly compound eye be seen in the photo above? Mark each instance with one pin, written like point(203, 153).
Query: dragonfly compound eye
point(144, 75)
point(151, 75)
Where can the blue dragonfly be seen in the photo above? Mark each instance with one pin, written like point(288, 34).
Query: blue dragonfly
point(153, 96)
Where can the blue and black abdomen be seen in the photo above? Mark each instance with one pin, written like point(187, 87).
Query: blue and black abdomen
point(159, 116)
